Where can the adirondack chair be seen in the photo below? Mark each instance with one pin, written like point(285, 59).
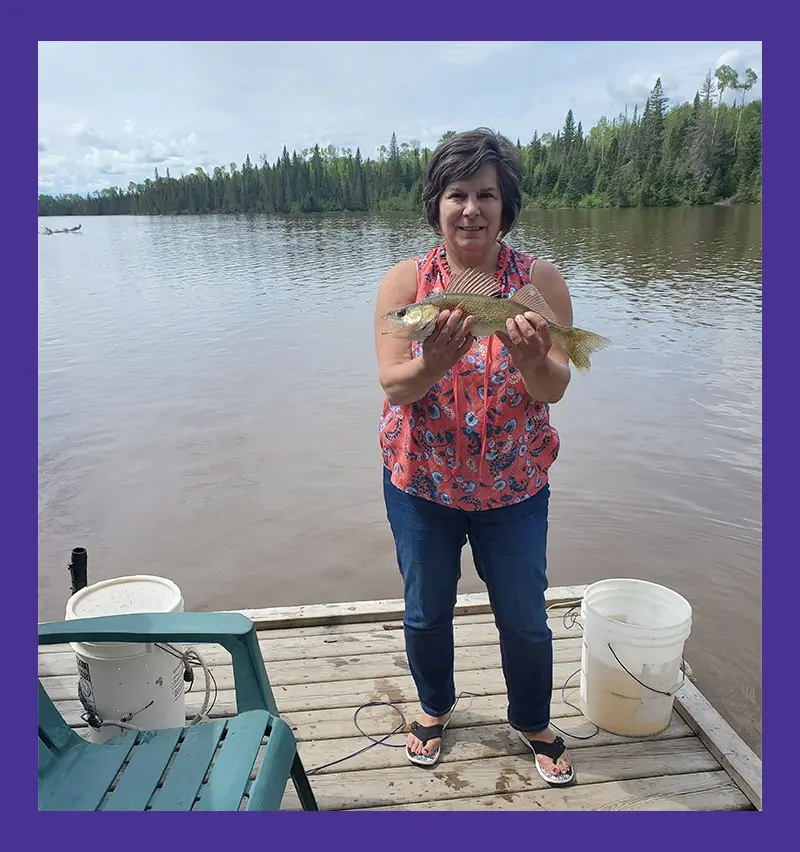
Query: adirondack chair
point(131, 772)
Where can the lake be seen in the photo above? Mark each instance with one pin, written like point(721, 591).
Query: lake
point(209, 403)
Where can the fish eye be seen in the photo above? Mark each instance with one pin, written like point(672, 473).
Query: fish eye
point(401, 313)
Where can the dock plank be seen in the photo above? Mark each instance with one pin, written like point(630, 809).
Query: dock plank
point(353, 611)
point(741, 763)
point(702, 791)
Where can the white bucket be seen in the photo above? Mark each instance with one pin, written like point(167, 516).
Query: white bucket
point(137, 683)
point(646, 626)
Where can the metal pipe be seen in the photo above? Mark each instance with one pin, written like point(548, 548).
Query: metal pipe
point(77, 569)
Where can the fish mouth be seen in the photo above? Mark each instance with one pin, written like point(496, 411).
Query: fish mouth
point(393, 326)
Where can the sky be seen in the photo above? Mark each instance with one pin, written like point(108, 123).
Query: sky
point(112, 112)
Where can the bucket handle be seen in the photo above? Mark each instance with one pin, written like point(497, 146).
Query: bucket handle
point(669, 694)
point(572, 617)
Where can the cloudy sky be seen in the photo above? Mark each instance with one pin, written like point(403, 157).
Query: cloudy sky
point(109, 113)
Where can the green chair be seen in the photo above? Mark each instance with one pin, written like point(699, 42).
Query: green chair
point(172, 769)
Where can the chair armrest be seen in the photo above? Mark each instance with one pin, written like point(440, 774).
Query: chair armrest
point(234, 631)
point(185, 627)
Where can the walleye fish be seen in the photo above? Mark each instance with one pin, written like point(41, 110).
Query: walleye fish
point(480, 295)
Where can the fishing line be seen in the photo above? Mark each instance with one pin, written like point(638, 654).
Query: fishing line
point(571, 614)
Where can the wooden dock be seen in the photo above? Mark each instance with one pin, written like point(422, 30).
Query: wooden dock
point(326, 660)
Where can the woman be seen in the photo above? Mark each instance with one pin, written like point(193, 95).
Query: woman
point(467, 445)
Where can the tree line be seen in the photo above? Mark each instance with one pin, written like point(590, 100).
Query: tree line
point(693, 153)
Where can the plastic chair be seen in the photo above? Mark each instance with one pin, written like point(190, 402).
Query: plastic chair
point(206, 766)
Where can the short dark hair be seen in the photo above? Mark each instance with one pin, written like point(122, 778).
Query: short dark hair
point(463, 155)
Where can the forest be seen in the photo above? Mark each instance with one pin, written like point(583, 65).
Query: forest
point(703, 152)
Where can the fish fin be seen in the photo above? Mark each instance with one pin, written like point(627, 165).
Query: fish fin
point(474, 282)
point(531, 299)
point(580, 345)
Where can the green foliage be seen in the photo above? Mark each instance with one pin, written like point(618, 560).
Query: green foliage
point(693, 153)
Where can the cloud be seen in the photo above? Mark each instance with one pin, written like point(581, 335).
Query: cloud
point(636, 89)
point(51, 162)
point(117, 156)
point(740, 61)
point(472, 53)
point(134, 145)
point(87, 136)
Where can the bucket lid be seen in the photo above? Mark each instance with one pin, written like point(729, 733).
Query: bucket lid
point(139, 593)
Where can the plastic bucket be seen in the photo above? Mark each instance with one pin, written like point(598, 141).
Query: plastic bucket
point(136, 683)
point(631, 660)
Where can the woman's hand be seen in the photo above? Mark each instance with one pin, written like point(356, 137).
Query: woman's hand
point(404, 378)
point(528, 341)
point(451, 340)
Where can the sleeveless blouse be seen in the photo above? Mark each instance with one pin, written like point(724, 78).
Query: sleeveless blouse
point(477, 440)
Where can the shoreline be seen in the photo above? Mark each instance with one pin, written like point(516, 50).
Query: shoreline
point(527, 208)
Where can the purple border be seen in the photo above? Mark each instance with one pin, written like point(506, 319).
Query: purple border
point(587, 21)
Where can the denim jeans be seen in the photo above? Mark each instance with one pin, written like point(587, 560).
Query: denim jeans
point(509, 548)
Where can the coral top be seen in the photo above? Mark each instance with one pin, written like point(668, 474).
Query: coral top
point(477, 439)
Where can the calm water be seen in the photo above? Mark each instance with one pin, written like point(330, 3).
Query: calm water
point(209, 405)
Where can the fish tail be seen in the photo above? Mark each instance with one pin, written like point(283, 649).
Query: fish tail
point(580, 345)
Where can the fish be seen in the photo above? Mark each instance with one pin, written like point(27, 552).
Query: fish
point(480, 295)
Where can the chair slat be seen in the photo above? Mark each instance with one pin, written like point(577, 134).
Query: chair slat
point(231, 771)
point(182, 783)
point(140, 777)
point(267, 790)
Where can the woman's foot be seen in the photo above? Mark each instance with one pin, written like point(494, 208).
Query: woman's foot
point(424, 740)
point(552, 758)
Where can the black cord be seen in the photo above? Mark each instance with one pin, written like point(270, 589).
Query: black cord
point(574, 707)
point(383, 739)
point(402, 725)
point(373, 742)
point(569, 620)
point(216, 692)
point(571, 614)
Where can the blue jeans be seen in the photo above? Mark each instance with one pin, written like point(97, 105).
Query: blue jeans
point(509, 547)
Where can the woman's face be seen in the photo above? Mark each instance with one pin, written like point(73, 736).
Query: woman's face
point(471, 210)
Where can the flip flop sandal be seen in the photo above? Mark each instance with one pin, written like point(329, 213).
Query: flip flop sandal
point(426, 733)
point(553, 750)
